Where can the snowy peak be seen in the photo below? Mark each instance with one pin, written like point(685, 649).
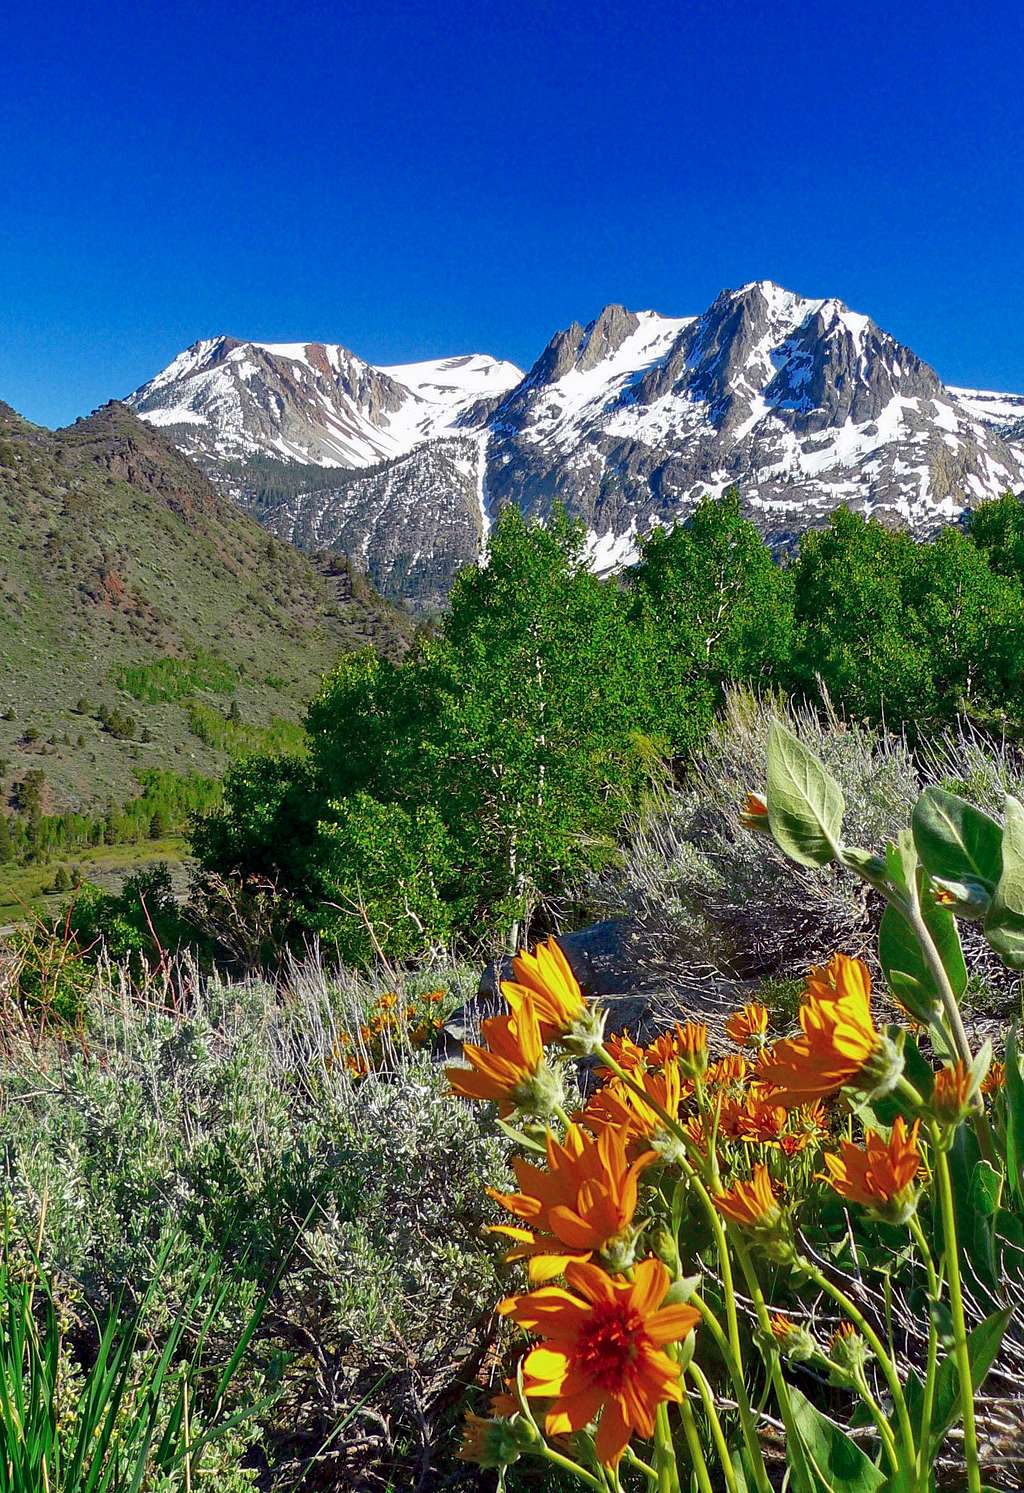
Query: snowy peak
point(455, 390)
point(313, 402)
point(585, 371)
point(801, 403)
point(616, 342)
point(627, 419)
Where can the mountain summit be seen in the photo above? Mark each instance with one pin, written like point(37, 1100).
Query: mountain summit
point(628, 420)
point(312, 402)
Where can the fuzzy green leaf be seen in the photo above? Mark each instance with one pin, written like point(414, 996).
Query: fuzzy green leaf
point(955, 840)
point(805, 803)
point(906, 969)
point(837, 1463)
point(1004, 925)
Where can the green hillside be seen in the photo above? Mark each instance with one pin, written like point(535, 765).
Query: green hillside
point(147, 623)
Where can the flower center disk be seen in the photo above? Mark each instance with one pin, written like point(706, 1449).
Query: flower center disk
point(608, 1345)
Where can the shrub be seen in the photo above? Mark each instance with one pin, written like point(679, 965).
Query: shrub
point(228, 1108)
point(175, 678)
point(714, 904)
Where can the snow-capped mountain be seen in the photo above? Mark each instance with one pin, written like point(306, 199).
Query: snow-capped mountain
point(802, 404)
point(311, 402)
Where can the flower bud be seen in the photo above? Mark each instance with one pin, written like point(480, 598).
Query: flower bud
point(848, 1352)
point(883, 1069)
point(663, 1244)
point(865, 863)
point(669, 1147)
point(585, 1036)
point(540, 1093)
point(966, 899)
point(793, 1342)
point(619, 1252)
point(681, 1292)
point(495, 1443)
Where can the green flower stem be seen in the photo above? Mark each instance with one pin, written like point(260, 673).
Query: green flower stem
point(795, 1447)
point(641, 1466)
point(568, 1465)
point(951, 1009)
point(700, 1466)
point(885, 1363)
point(733, 1352)
point(748, 1420)
point(675, 1129)
point(928, 1401)
point(665, 1452)
point(698, 1376)
point(956, 1305)
point(881, 1424)
point(542, 1449)
point(906, 1088)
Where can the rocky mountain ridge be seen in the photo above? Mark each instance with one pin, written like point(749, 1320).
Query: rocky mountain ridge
point(628, 420)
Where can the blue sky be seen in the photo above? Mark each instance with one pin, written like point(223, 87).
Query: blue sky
point(415, 179)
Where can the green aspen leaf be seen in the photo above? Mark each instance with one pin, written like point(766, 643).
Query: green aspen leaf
point(837, 1463)
point(805, 803)
point(1004, 925)
point(956, 841)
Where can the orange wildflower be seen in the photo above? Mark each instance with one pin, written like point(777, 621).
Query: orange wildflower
point(616, 1106)
point(747, 1026)
point(621, 1047)
point(509, 1069)
point(781, 1327)
point(733, 1068)
point(661, 1051)
point(952, 1092)
point(994, 1079)
point(760, 1120)
point(691, 1042)
point(601, 1352)
point(582, 1203)
point(753, 1204)
point(730, 1118)
point(493, 1443)
point(545, 978)
point(754, 814)
point(838, 1036)
point(880, 1174)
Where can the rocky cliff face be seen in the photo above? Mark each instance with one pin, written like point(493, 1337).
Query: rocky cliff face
point(801, 404)
point(628, 421)
point(409, 525)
